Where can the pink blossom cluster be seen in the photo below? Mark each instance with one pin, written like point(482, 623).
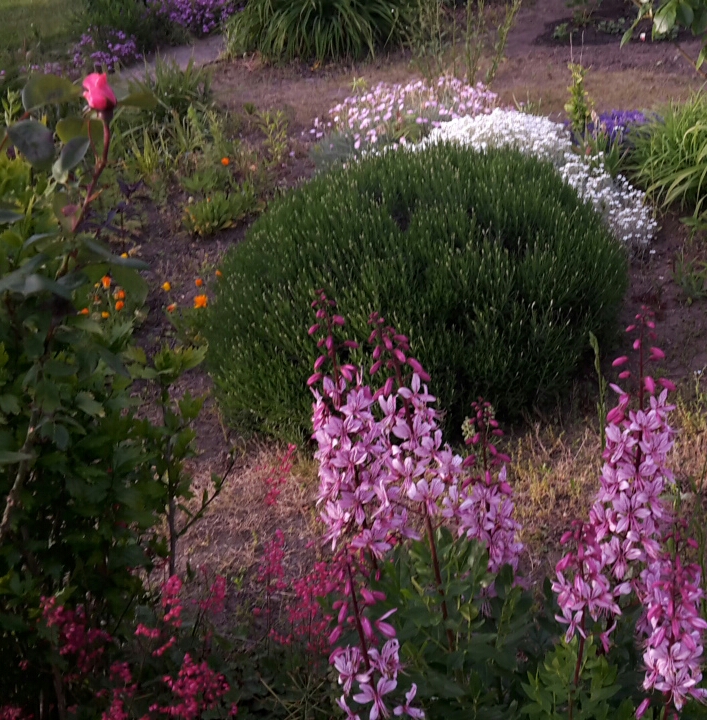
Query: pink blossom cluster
point(389, 112)
point(622, 549)
point(385, 474)
point(198, 689)
point(277, 475)
point(86, 644)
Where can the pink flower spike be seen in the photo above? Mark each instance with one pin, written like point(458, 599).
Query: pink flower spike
point(620, 361)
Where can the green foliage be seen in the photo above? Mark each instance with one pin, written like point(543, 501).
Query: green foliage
point(496, 640)
point(219, 211)
point(84, 483)
point(316, 29)
point(555, 694)
point(130, 17)
point(488, 262)
point(669, 157)
point(579, 107)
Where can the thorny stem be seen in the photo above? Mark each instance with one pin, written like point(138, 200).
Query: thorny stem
point(359, 627)
point(100, 167)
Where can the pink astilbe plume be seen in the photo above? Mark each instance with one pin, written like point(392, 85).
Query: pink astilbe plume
point(622, 549)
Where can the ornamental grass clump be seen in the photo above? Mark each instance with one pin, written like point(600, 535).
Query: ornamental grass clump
point(623, 208)
point(488, 262)
point(669, 158)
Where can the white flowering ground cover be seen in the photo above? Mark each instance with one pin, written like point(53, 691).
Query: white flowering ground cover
point(623, 207)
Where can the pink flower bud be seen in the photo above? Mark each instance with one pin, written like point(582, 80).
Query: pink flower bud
point(650, 384)
point(376, 367)
point(620, 361)
point(399, 355)
point(319, 362)
point(388, 387)
point(314, 379)
point(667, 384)
point(625, 374)
point(657, 354)
point(313, 329)
point(338, 320)
point(637, 344)
point(630, 328)
point(98, 92)
point(367, 627)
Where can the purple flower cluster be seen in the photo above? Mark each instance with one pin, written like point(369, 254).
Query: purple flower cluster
point(200, 17)
point(109, 48)
point(385, 473)
point(622, 549)
point(617, 123)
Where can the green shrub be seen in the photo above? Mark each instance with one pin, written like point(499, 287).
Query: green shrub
point(669, 158)
point(488, 262)
point(321, 29)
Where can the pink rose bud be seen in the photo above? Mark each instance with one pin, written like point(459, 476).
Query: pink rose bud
point(98, 92)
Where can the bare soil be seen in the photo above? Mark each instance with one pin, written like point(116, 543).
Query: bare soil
point(557, 459)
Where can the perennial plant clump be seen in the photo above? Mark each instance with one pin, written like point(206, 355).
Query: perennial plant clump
point(632, 542)
point(200, 17)
point(461, 249)
point(623, 208)
point(386, 477)
point(105, 47)
point(395, 113)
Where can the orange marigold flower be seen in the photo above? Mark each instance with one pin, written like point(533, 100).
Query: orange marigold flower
point(201, 301)
point(105, 281)
point(85, 311)
point(225, 162)
point(198, 282)
point(119, 294)
point(105, 315)
point(171, 308)
point(166, 287)
point(219, 274)
point(119, 305)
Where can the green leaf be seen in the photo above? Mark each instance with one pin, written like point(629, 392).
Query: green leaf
point(86, 402)
point(9, 404)
point(9, 213)
point(699, 22)
point(73, 127)
point(665, 18)
point(106, 254)
point(142, 100)
point(48, 90)
point(701, 57)
point(36, 283)
point(684, 14)
point(71, 155)
point(34, 141)
point(12, 458)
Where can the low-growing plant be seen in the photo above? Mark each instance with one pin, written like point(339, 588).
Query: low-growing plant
point(219, 210)
point(691, 277)
point(460, 247)
point(316, 29)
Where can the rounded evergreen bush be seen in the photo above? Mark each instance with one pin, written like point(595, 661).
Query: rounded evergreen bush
point(487, 261)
